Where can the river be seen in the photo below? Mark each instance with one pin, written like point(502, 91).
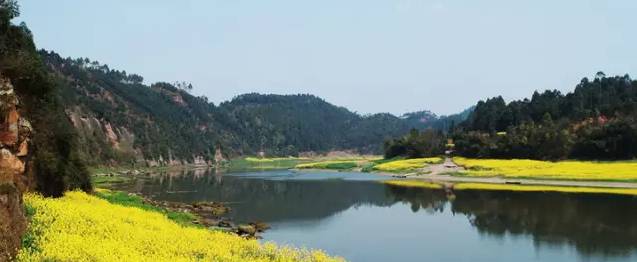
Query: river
point(355, 216)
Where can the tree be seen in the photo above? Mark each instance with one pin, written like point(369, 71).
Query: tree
point(9, 9)
point(416, 144)
point(56, 166)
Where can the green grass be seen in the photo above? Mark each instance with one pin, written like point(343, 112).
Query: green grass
point(252, 163)
point(109, 180)
point(109, 170)
point(331, 164)
point(341, 166)
point(124, 199)
point(30, 237)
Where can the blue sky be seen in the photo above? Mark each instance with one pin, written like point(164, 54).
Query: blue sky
point(368, 55)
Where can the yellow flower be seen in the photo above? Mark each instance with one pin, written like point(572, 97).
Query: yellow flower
point(407, 164)
point(511, 187)
point(567, 170)
point(81, 227)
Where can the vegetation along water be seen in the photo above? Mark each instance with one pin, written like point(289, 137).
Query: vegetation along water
point(101, 164)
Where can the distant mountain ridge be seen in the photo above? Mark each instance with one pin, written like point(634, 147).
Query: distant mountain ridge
point(121, 120)
point(426, 119)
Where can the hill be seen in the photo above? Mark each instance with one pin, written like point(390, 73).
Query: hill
point(427, 119)
point(597, 120)
point(120, 120)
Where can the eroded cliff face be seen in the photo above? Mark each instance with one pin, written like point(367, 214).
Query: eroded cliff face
point(110, 144)
point(15, 132)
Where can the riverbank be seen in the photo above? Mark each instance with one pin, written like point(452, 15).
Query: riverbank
point(483, 175)
point(581, 174)
point(372, 164)
point(615, 171)
point(202, 214)
point(618, 175)
point(82, 227)
point(461, 186)
point(106, 176)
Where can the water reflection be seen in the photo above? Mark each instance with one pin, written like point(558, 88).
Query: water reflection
point(283, 196)
point(595, 225)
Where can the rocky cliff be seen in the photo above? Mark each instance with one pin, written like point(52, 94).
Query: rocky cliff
point(15, 132)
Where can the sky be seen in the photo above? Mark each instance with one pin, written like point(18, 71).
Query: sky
point(367, 55)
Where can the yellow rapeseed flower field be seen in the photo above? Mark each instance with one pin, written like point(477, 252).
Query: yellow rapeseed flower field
point(406, 164)
point(541, 188)
point(566, 170)
point(512, 187)
point(81, 227)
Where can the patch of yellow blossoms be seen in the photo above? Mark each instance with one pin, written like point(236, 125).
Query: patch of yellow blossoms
point(80, 227)
point(541, 188)
point(567, 170)
point(407, 164)
point(413, 183)
point(512, 187)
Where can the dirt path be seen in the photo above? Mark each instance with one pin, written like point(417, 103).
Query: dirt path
point(440, 173)
point(448, 166)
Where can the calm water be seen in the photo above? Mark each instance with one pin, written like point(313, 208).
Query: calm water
point(354, 216)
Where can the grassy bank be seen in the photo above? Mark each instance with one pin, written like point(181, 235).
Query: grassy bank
point(564, 170)
point(254, 163)
point(372, 164)
point(124, 199)
point(512, 187)
point(332, 164)
point(108, 181)
point(107, 176)
point(81, 227)
point(348, 163)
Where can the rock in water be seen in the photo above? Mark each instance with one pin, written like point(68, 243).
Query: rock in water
point(260, 226)
point(246, 230)
point(15, 132)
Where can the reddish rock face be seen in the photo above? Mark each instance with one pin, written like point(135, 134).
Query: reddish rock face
point(9, 115)
point(12, 221)
point(15, 132)
point(10, 165)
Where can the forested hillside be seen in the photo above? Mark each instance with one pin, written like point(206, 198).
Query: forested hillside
point(287, 125)
point(120, 120)
point(123, 121)
point(595, 121)
point(49, 155)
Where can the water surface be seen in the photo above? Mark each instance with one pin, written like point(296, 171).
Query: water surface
point(355, 216)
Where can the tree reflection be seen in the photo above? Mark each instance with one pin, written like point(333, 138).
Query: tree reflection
point(594, 224)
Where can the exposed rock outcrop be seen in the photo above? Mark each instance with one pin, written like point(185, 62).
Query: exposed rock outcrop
point(101, 140)
point(218, 156)
point(15, 132)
